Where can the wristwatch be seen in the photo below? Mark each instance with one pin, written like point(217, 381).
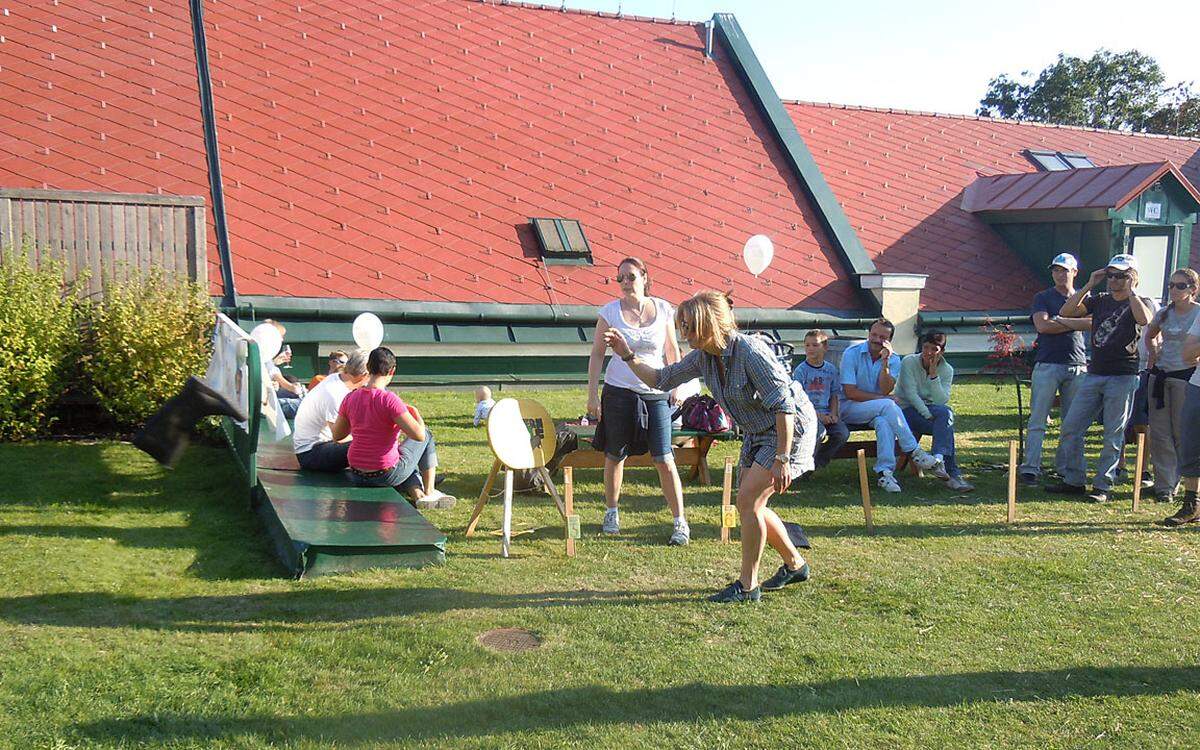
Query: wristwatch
point(783, 458)
point(630, 358)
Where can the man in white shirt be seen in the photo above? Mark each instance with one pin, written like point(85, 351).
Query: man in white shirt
point(312, 435)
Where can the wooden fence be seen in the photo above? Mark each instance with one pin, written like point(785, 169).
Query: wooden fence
point(107, 235)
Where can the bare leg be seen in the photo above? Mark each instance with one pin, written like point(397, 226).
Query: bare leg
point(1191, 484)
point(614, 474)
point(672, 489)
point(427, 476)
point(754, 491)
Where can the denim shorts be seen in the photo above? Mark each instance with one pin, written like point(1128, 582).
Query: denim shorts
point(619, 417)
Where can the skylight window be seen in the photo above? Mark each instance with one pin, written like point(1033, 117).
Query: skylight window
point(562, 241)
point(1059, 161)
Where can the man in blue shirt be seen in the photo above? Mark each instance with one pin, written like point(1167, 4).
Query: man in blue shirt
point(822, 382)
point(1059, 361)
point(869, 372)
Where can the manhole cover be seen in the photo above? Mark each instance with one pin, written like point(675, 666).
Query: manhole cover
point(509, 639)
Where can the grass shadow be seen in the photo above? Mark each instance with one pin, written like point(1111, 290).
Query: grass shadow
point(593, 706)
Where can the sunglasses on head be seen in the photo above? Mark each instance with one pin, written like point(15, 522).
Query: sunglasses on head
point(1117, 276)
point(626, 277)
point(340, 362)
point(1181, 285)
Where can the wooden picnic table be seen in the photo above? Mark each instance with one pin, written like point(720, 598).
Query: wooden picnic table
point(691, 449)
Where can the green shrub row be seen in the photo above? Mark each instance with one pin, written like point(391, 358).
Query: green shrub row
point(130, 350)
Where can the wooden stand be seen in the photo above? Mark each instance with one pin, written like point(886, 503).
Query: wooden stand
point(1139, 467)
point(728, 512)
point(572, 525)
point(864, 486)
point(1012, 481)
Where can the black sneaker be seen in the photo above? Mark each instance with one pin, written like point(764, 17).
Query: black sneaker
point(784, 576)
point(1063, 488)
point(1028, 480)
point(1098, 496)
point(1164, 496)
point(734, 592)
point(1189, 512)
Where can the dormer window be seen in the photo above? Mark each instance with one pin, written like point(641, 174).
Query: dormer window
point(562, 241)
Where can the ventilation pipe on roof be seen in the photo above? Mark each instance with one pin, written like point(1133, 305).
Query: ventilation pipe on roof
point(708, 38)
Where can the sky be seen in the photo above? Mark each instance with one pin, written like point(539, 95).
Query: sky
point(935, 56)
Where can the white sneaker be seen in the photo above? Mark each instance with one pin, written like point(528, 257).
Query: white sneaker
point(958, 484)
point(939, 468)
point(888, 482)
point(436, 499)
point(681, 534)
point(923, 460)
point(612, 523)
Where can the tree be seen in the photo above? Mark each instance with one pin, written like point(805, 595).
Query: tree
point(1109, 90)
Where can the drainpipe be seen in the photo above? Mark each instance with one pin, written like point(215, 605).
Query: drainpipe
point(208, 120)
point(708, 38)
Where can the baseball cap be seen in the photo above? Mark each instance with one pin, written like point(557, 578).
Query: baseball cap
point(1123, 262)
point(1066, 260)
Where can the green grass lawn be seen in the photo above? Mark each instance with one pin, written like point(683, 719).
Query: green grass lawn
point(142, 608)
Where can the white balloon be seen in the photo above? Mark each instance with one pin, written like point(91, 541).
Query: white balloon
point(368, 331)
point(758, 253)
point(268, 339)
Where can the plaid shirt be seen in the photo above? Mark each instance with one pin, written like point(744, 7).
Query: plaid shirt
point(756, 387)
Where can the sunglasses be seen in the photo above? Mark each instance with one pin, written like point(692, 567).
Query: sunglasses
point(626, 277)
point(686, 325)
point(1118, 276)
point(340, 362)
point(1181, 285)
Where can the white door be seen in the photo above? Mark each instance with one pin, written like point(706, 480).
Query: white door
point(1153, 252)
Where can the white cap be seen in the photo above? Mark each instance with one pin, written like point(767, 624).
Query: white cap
point(1066, 260)
point(1123, 262)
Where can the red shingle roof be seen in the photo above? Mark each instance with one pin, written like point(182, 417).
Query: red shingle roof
point(397, 150)
point(900, 176)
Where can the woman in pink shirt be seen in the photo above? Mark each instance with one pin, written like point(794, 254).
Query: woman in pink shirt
point(374, 417)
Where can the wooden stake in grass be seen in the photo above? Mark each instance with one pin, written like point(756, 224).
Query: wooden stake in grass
point(572, 525)
point(1140, 466)
point(864, 486)
point(728, 512)
point(1012, 481)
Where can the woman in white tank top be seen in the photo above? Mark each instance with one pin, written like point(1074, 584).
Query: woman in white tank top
point(647, 323)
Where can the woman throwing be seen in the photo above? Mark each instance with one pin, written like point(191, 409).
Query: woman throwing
point(629, 406)
point(774, 413)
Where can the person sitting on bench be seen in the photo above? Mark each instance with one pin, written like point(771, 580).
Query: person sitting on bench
point(924, 392)
point(374, 417)
point(869, 371)
point(312, 436)
point(823, 384)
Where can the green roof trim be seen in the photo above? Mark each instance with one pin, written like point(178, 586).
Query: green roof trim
point(833, 218)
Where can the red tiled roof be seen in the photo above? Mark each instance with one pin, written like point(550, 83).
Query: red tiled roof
point(397, 150)
point(900, 176)
point(1098, 187)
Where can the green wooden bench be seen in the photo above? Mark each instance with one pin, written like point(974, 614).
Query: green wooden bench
point(318, 522)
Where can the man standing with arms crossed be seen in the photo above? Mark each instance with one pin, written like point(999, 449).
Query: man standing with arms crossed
point(1059, 361)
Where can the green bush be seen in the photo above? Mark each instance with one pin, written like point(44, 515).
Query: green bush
point(39, 335)
point(147, 335)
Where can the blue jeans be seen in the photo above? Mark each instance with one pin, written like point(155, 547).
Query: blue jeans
point(1048, 380)
point(941, 426)
point(416, 456)
point(885, 417)
point(1114, 395)
point(837, 433)
point(324, 456)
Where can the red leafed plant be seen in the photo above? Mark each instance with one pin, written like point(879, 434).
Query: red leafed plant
point(1008, 350)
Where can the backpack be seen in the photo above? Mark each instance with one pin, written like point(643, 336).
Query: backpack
point(529, 481)
point(703, 414)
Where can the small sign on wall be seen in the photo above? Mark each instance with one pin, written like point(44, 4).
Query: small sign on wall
point(1153, 211)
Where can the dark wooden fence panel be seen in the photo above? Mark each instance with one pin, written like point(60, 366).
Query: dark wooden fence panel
point(105, 235)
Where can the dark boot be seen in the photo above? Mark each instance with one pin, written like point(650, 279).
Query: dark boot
point(167, 433)
point(1189, 512)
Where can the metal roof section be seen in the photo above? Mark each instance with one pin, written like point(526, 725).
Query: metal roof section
point(1096, 188)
